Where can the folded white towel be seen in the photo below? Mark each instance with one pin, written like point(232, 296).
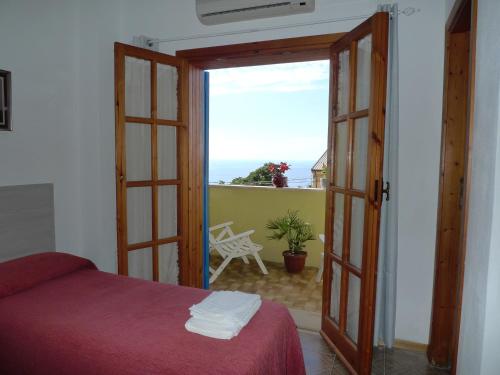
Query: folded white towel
point(230, 320)
point(222, 315)
point(211, 329)
point(236, 306)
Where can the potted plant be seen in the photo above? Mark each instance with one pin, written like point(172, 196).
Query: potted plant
point(296, 232)
point(324, 179)
point(278, 174)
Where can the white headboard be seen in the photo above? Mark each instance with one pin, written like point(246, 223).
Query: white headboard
point(26, 220)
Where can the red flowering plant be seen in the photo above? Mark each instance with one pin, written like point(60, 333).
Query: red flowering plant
point(278, 169)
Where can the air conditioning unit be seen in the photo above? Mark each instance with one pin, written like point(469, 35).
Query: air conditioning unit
point(213, 12)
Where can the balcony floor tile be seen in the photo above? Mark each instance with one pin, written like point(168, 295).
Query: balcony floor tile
point(296, 291)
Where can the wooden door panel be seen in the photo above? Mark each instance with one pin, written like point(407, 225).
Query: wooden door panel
point(151, 149)
point(355, 152)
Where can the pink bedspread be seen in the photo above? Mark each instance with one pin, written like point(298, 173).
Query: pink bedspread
point(89, 322)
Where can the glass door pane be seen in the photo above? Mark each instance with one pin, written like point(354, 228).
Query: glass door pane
point(167, 211)
point(335, 292)
point(343, 83)
point(340, 157)
point(360, 154)
point(140, 265)
point(167, 152)
point(137, 87)
point(139, 214)
point(138, 151)
point(168, 261)
point(167, 84)
point(353, 297)
point(357, 231)
point(363, 76)
point(338, 225)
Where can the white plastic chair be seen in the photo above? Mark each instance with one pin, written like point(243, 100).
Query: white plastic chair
point(319, 275)
point(231, 246)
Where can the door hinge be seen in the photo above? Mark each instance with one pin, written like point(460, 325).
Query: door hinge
point(387, 191)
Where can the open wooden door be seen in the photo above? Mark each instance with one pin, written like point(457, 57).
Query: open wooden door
point(151, 163)
point(354, 195)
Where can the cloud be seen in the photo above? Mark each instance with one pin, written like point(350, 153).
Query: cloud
point(290, 77)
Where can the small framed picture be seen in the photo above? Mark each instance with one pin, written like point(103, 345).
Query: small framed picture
point(5, 101)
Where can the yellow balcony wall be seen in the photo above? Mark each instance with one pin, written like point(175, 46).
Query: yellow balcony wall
point(252, 207)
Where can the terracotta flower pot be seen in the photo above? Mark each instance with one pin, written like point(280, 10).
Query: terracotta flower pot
point(294, 262)
point(280, 181)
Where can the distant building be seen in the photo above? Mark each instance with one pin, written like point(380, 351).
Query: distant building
point(318, 171)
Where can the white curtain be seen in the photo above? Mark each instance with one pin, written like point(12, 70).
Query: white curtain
point(385, 315)
point(138, 167)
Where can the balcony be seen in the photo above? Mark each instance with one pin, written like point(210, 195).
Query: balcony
point(251, 207)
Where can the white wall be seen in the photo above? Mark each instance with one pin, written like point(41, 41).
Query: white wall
point(420, 106)
point(40, 47)
point(61, 57)
point(169, 19)
point(480, 331)
point(73, 145)
point(100, 27)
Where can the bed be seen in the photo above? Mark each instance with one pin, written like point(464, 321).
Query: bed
point(60, 315)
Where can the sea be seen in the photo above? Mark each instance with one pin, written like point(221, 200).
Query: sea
point(299, 174)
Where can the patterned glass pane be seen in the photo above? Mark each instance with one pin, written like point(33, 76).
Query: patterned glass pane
point(138, 152)
point(168, 258)
point(338, 224)
point(340, 157)
point(139, 216)
point(167, 211)
point(363, 78)
point(137, 87)
point(353, 307)
point(140, 264)
point(167, 152)
point(360, 154)
point(357, 227)
point(343, 84)
point(167, 77)
point(335, 292)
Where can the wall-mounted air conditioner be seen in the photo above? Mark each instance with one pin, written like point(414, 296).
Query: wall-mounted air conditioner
point(212, 12)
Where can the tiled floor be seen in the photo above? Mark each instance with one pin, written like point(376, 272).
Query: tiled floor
point(319, 360)
point(300, 291)
point(296, 291)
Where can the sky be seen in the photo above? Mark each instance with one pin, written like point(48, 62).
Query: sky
point(272, 112)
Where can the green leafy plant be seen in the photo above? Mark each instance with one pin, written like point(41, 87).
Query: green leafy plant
point(260, 177)
point(293, 229)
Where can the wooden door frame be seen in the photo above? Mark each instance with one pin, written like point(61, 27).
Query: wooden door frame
point(278, 51)
point(463, 12)
point(288, 50)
